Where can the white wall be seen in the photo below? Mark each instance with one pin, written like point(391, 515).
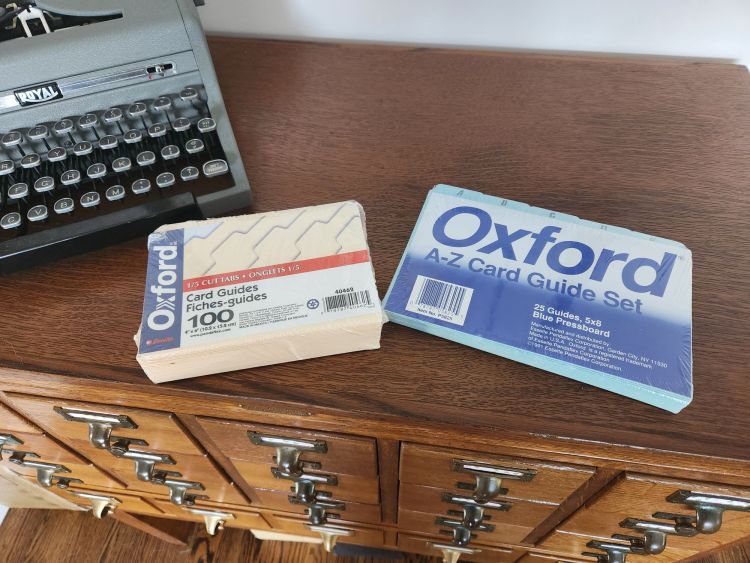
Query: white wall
point(718, 29)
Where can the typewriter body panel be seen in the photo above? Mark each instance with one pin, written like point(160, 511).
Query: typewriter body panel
point(141, 52)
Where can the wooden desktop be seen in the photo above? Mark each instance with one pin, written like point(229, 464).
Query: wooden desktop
point(659, 146)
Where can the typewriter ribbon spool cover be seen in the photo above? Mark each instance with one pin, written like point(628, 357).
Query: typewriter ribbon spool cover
point(596, 303)
point(239, 292)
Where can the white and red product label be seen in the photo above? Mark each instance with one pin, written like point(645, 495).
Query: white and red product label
point(181, 312)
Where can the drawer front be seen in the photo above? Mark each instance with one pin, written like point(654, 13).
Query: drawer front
point(14, 428)
point(196, 468)
point(127, 501)
point(425, 523)
point(351, 511)
point(416, 544)
point(241, 518)
point(359, 535)
point(161, 430)
point(350, 488)
point(43, 446)
point(89, 474)
point(640, 496)
point(575, 544)
point(343, 455)
point(12, 423)
point(158, 432)
point(434, 501)
point(435, 467)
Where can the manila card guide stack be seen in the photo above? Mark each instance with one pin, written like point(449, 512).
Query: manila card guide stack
point(596, 303)
point(240, 292)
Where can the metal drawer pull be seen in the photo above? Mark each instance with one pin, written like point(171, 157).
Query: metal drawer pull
point(178, 489)
point(18, 456)
point(101, 505)
point(100, 424)
point(471, 501)
point(709, 509)
point(654, 539)
point(304, 492)
point(330, 535)
point(309, 477)
point(8, 440)
point(613, 552)
point(488, 478)
point(468, 521)
point(214, 520)
point(473, 511)
point(461, 533)
point(45, 472)
point(288, 452)
point(664, 527)
point(64, 482)
point(317, 510)
point(471, 516)
point(145, 462)
point(452, 553)
point(317, 504)
point(318, 513)
point(651, 543)
point(120, 445)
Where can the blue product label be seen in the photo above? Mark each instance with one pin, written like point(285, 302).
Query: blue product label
point(550, 290)
point(162, 304)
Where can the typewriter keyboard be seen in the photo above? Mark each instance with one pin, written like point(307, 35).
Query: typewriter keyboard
point(57, 173)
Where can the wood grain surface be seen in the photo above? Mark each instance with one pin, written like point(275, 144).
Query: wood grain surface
point(656, 146)
point(61, 536)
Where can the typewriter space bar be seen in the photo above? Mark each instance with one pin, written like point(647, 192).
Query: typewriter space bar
point(96, 232)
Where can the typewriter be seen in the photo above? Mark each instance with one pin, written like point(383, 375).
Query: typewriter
point(111, 124)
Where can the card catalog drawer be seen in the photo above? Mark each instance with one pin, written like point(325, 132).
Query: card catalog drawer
point(638, 499)
point(233, 518)
point(118, 499)
point(427, 524)
point(318, 451)
point(430, 500)
point(356, 535)
point(484, 554)
point(534, 480)
point(51, 474)
point(16, 433)
point(72, 420)
point(135, 445)
point(40, 444)
point(198, 469)
point(350, 488)
point(575, 545)
point(351, 511)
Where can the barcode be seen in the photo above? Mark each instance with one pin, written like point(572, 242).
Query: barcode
point(346, 300)
point(440, 300)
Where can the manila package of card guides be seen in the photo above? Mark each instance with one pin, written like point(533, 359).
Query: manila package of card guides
point(240, 292)
point(596, 303)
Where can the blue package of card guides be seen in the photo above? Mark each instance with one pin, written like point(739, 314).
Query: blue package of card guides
point(595, 303)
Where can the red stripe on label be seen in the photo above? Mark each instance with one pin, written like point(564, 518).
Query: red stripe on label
point(276, 271)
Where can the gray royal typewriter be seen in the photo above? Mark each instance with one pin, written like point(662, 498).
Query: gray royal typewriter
point(111, 124)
